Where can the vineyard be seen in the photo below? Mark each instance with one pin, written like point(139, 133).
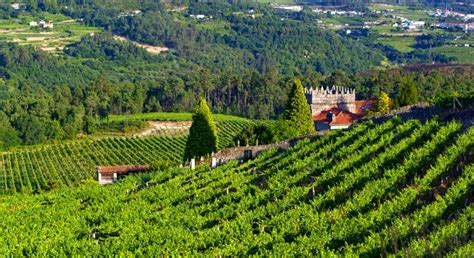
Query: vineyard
point(68, 164)
point(392, 189)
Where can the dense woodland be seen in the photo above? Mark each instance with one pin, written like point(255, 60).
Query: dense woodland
point(246, 70)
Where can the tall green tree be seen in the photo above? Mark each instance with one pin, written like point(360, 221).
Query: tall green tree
point(298, 112)
point(407, 92)
point(202, 139)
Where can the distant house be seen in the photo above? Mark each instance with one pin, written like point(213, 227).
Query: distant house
point(48, 25)
point(15, 6)
point(293, 8)
point(110, 174)
point(33, 24)
point(419, 24)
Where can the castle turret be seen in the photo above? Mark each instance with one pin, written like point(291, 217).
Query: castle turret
point(324, 98)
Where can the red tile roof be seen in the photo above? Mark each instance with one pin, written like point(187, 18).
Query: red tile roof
point(344, 117)
point(362, 106)
point(123, 169)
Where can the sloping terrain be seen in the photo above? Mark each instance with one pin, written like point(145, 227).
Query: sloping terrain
point(398, 188)
point(38, 169)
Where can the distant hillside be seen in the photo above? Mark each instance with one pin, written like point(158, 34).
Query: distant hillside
point(343, 2)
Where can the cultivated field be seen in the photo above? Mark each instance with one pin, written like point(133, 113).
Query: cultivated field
point(65, 31)
point(399, 188)
point(38, 169)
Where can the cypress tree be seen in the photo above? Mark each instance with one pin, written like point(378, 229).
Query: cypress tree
point(202, 139)
point(297, 112)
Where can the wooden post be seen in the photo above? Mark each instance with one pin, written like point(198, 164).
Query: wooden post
point(193, 164)
point(213, 162)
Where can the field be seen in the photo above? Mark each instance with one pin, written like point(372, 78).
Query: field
point(65, 31)
point(462, 54)
point(67, 164)
point(398, 188)
point(400, 43)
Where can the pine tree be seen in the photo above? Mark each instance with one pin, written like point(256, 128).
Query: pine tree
point(384, 103)
point(297, 112)
point(408, 93)
point(202, 139)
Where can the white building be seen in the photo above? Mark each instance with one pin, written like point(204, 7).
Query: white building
point(48, 25)
point(15, 6)
point(33, 24)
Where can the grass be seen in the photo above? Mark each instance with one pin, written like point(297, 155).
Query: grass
point(462, 54)
point(218, 26)
point(340, 19)
point(402, 44)
point(169, 116)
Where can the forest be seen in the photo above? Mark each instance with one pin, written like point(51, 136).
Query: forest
point(246, 69)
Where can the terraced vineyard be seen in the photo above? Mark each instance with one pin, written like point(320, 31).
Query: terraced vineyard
point(67, 164)
point(399, 188)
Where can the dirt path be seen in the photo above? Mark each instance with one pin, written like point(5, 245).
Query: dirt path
point(165, 127)
point(149, 48)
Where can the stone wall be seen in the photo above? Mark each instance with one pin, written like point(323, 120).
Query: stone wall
point(239, 153)
point(325, 98)
point(425, 111)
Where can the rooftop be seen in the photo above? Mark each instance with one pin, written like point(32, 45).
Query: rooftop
point(122, 169)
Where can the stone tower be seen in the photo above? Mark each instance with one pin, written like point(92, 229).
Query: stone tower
point(323, 98)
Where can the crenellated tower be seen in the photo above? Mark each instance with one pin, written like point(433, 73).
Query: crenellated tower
point(323, 98)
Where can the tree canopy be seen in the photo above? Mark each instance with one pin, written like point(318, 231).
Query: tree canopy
point(202, 139)
point(297, 112)
point(408, 93)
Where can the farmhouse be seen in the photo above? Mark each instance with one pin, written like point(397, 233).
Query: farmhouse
point(336, 107)
point(108, 175)
point(15, 6)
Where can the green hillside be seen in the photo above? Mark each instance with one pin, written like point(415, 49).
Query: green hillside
point(398, 188)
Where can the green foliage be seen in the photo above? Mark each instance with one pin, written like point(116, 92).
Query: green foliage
point(264, 133)
point(283, 130)
point(384, 103)
point(8, 135)
point(202, 139)
point(407, 92)
point(298, 112)
point(369, 191)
